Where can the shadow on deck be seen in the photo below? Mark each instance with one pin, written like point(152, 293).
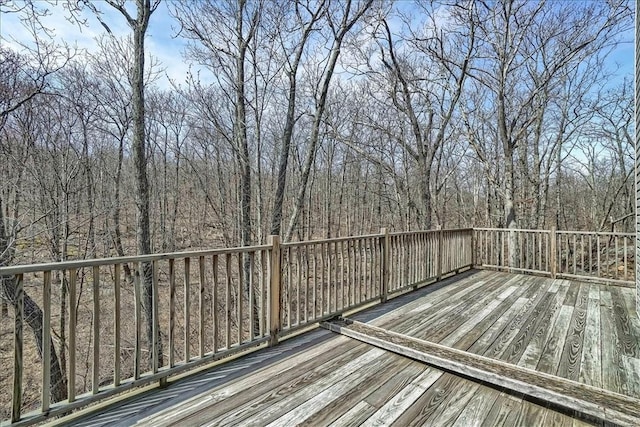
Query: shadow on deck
point(583, 332)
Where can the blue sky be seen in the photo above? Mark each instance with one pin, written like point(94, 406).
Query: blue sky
point(161, 41)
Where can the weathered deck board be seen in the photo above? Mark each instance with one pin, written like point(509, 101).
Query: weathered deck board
point(596, 402)
point(553, 326)
point(614, 377)
point(533, 352)
point(428, 405)
point(572, 352)
point(374, 391)
point(590, 364)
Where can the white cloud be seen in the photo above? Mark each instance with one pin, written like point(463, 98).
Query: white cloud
point(160, 42)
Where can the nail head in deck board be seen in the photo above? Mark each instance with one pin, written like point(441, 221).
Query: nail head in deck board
point(589, 400)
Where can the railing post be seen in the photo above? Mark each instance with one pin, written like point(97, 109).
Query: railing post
point(553, 266)
point(440, 250)
point(386, 246)
point(473, 247)
point(274, 289)
point(16, 404)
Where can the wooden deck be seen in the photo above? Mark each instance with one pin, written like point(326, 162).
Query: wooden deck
point(583, 332)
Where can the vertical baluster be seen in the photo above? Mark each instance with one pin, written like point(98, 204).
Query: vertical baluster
point(116, 325)
point(288, 285)
point(138, 320)
point(357, 257)
point(187, 311)
point(598, 254)
point(328, 282)
point(315, 281)
point(214, 301)
point(574, 254)
point(201, 282)
point(624, 239)
point(240, 296)
point(227, 303)
point(95, 371)
point(590, 254)
point(18, 367)
point(323, 279)
point(172, 312)
point(298, 280)
point(263, 270)
point(46, 342)
point(336, 277)
point(307, 282)
point(71, 379)
point(251, 303)
point(582, 254)
point(343, 288)
point(615, 257)
point(155, 341)
point(539, 267)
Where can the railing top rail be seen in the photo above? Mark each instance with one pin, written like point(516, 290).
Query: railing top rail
point(525, 230)
point(597, 233)
point(407, 233)
point(68, 265)
point(330, 240)
point(522, 230)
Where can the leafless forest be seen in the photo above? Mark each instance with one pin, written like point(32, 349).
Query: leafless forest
point(309, 119)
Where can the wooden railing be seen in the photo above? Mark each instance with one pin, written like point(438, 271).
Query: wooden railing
point(203, 306)
point(606, 257)
point(208, 305)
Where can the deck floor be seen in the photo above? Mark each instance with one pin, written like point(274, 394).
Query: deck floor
point(581, 331)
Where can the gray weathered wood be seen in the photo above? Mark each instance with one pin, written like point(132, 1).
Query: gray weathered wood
point(274, 289)
point(71, 377)
point(16, 402)
point(117, 329)
point(611, 407)
point(95, 365)
point(45, 397)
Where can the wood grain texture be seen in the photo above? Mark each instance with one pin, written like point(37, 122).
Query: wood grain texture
point(572, 352)
point(374, 391)
point(478, 408)
point(614, 375)
point(591, 362)
point(570, 394)
point(525, 319)
point(504, 412)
